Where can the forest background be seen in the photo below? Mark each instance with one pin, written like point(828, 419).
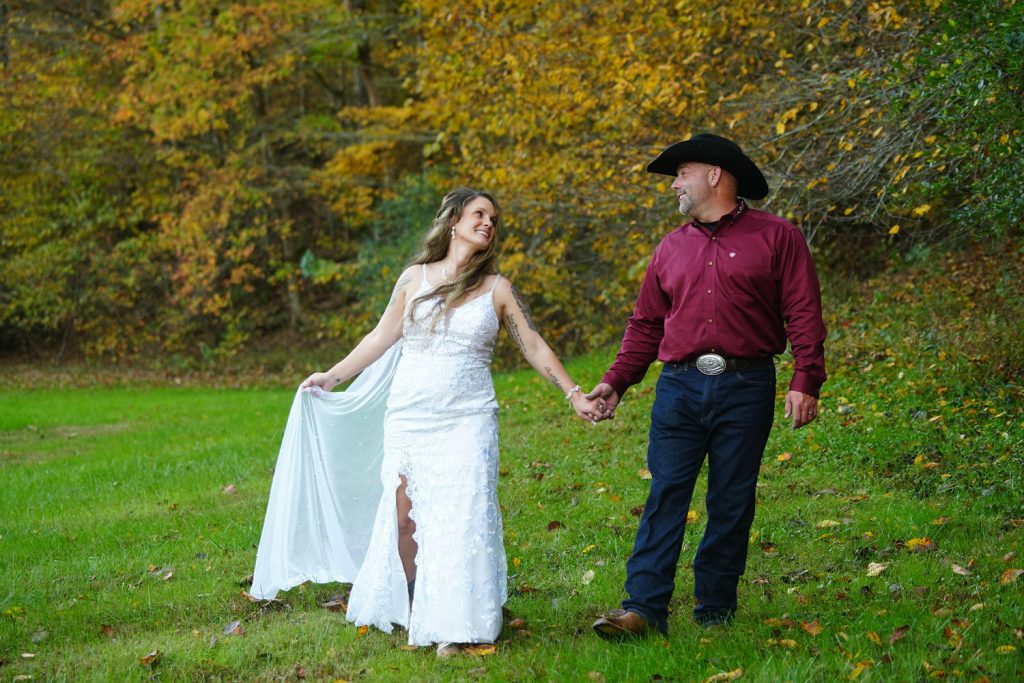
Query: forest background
point(182, 180)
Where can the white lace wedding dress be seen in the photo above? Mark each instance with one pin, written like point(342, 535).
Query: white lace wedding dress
point(440, 431)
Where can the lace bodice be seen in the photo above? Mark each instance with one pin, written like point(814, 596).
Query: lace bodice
point(467, 331)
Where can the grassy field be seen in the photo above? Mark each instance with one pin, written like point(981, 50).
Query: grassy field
point(887, 545)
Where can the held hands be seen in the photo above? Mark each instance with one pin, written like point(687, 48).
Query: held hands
point(802, 407)
point(606, 400)
point(585, 407)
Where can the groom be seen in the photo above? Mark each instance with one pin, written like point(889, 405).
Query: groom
point(721, 295)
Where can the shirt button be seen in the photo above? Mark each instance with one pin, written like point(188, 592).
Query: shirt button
point(711, 263)
point(710, 320)
point(709, 291)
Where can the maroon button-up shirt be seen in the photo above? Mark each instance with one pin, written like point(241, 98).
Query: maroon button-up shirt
point(738, 291)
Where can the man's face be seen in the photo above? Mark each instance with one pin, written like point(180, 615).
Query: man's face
point(692, 185)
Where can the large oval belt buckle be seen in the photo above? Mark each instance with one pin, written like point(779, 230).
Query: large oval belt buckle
point(710, 364)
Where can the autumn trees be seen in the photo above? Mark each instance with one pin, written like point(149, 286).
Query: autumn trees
point(185, 176)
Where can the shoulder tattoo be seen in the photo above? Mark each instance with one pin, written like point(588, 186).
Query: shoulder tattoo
point(402, 282)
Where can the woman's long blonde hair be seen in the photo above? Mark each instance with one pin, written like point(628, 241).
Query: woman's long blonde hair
point(438, 240)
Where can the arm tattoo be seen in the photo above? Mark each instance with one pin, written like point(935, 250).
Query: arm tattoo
point(513, 331)
point(402, 282)
point(523, 308)
point(554, 380)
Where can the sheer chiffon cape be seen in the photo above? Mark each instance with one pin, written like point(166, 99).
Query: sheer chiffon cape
point(327, 485)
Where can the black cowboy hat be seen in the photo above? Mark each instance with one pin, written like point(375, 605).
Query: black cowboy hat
point(717, 151)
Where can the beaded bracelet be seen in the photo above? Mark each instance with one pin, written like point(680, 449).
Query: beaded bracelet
point(568, 396)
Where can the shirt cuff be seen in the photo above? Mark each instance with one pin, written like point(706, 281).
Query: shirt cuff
point(805, 384)
point(617, 383)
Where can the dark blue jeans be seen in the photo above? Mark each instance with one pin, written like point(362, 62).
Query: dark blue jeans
point(727, 418)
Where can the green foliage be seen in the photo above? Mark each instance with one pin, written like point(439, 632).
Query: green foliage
point(165, 167)
point(972, 64)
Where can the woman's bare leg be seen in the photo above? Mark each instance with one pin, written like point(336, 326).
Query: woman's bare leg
point(406, 528)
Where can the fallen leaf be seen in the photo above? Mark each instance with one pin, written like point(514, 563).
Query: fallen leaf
point(150, 659)
point(596, 676)
point(554, 524)
point(769, 548)
point(234, 629)
point(784, 457)
point(335, 604)
point(957, 569)
point(873, 637)
point(481, 649)
point(644, 473)
point(516, 624)
point(876, 568)
point(637, 511)
point(724, 676)
point(787, 643)
point(939, 521)
point(362, 631)
point(106, 629)
point(28, 655)
point(1009, 556)
point(229, 489)
point(168, 576)
point(409, 648)
point(247, 595)
point(899, 634)
point(812, 627)
point(1005, 649)
point(588, 576)
point(921, 545)
point(1010, 575)
point(826, 524)
point(860, 668)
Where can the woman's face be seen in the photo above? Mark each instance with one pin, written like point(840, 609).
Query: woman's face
point(476, 226)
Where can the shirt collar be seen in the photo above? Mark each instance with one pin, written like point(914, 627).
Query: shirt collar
point(727, 219)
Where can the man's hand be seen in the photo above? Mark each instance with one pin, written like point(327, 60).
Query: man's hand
point(802, 407)
point(607, 399)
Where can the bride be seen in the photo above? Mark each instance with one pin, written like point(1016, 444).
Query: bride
point(434, 561)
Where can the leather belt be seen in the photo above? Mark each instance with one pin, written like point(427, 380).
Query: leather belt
point(714, 364)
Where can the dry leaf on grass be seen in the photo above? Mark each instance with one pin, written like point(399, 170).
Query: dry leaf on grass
point(899, 633)
point(234, 629)
point(724, 676)
point(150, 659)
point(335, 604)
point(812, 627)
point(876, 568)
point(1010, 575)
point(922, 545)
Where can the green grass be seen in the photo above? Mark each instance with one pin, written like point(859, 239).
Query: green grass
point(106, 491)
